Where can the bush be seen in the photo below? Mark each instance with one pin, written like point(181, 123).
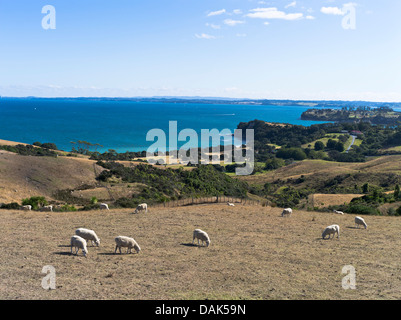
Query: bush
point(35, 202)
point(291, 153)
point(274, 163)
point(319, 145)
point(28, 150)
point(10, 206)
point(67, 208)
point(362, 209)
point(331, 144)
point(49, 145)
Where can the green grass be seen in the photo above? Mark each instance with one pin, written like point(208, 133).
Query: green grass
point(394, 149)
point(326, 138)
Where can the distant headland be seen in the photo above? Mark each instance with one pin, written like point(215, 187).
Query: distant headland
point(379, 116)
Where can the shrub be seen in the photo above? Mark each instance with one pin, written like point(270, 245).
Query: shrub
point(274, 163)
point(319, 145)
point(49, 145)
point(362, 209)
point(67, 208)
point(291, 153)
point(35, 202)
point(10, 206)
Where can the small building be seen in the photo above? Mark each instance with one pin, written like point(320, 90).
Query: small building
point(356, 133)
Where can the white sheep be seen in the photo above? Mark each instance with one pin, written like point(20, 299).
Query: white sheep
point(88, 235)
point(331, 230)
point(26, 208)
point(126, 242)
point(230, 204)
point(339, 212)
point(141, 207)
point(287, 212)
point(104, 206)
point(202, 236)
point(360, 221)
point(79, 243)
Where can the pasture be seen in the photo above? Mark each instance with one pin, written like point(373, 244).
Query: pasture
point(254, 254)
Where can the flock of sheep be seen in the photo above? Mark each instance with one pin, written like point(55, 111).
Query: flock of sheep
point(83, 236)
point(79, 240)
point(333, 229)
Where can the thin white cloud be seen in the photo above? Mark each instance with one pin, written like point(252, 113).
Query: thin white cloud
point(204, 36)
point(332, 10)
point(213, 26)
point(216, 13)
point(292, 4)
point(233, 23)
point(241, 35)
point(310, 17)
point(273, 13)
point(237, 11)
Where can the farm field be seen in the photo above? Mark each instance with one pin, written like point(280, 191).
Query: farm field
point(254, 254)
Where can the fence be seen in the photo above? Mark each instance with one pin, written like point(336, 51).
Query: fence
point(206, 200)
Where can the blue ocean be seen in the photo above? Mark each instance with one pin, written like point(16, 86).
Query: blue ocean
point(123, 125)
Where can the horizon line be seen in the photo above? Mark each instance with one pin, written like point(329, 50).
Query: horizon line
point(197, 98)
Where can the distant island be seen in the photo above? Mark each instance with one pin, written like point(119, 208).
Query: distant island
point(377, 116)
point(234, 101)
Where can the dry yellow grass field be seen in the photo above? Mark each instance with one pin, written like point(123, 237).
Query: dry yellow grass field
point(324, 200)
point(254, 254)
point(24, 176)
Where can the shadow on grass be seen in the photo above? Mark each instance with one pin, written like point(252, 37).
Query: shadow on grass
point(115, 254)
point(189, 245)
point(64, 253)
point(108, 254)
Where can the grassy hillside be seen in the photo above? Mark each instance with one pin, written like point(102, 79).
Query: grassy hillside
point(25, 176)
point(318, 173)
point(254, 254)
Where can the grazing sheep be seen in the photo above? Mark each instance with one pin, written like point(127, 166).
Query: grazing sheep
point(141, 207)
point(88, 235)
point(331, 230)
point(126, 242)
point(201, 235)
point(360, 221)
point(339, 212)
point(47, 208)
point(230, 204)
point(26, 208)
point(104, 206)
point(287, 212)
point(79, 243)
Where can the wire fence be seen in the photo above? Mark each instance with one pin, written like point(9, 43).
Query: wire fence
point(207, 200)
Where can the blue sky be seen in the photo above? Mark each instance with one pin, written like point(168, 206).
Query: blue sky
point(223, 48)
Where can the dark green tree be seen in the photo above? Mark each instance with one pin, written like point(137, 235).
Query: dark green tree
point(319, 145)
point(397, 192)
